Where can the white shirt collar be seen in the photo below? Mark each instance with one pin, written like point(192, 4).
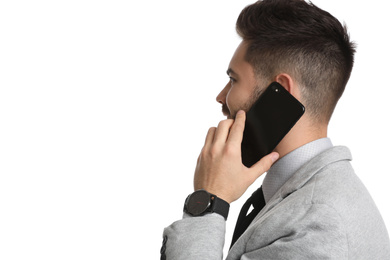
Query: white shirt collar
point(286, 166)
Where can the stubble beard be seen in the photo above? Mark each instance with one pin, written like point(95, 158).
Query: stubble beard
point(253, 98)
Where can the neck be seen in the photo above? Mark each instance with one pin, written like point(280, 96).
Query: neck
point(302, 133)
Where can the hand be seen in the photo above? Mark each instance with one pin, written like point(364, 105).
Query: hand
point(219, 168)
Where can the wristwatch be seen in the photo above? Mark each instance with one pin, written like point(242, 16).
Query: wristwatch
point(201, 202)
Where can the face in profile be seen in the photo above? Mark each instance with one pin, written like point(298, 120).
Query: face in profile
point(241, 91)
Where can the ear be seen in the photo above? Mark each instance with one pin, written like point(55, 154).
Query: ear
point(289, 84)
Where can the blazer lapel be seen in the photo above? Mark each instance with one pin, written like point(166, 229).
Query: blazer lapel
point(304, 174)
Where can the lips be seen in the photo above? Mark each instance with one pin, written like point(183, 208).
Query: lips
point(225, 110)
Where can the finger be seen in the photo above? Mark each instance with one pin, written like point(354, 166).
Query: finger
point(222, 132)
point(237, 129)
point(264, 164)
point(209, 137)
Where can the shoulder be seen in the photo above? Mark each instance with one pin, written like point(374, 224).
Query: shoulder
point(331, 211)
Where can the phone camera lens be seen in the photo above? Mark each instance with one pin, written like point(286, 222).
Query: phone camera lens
point(276, 88)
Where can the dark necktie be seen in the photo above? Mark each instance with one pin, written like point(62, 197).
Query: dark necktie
point(243, 221)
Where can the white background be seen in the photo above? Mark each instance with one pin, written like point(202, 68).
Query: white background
point(104, 106)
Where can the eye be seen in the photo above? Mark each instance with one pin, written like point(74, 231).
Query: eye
point(232, 80)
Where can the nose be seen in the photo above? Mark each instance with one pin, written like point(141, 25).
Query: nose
point(221, 98)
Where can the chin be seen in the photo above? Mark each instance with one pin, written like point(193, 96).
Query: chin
point(228, 115)
point(232, 115)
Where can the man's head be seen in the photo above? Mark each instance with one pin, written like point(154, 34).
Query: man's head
point(292, 38)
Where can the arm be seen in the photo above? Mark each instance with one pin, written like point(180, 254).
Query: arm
point(194, 238)
point(219, 171)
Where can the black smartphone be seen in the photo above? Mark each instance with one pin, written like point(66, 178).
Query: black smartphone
point(268, 121)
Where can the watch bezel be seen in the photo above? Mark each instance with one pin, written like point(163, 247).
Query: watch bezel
point(198, 202)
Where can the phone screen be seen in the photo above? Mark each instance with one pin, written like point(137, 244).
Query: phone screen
point(268, 121)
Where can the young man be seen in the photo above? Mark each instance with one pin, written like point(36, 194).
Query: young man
point(311, 204)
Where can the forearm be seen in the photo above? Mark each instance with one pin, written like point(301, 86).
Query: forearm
point(195, 238)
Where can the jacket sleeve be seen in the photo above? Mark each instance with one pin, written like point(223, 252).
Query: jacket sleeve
point(194, 238)
point(318, 233)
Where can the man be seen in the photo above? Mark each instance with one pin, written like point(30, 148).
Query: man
point(311, 204)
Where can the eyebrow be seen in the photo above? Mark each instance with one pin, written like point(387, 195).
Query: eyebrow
point(230, 71)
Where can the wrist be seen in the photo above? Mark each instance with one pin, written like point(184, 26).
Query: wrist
point(215, 191)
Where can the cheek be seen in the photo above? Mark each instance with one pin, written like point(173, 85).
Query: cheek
point(235, 99)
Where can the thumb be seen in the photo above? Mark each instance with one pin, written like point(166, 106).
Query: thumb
point(264, 164)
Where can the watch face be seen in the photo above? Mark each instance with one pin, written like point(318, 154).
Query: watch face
point(198, 202)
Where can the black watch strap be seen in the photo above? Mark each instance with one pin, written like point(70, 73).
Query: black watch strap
point(220, 206)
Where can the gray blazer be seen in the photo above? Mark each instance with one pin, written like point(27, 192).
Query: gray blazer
point(322, 212)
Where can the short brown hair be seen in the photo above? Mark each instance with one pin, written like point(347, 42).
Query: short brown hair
point(308, 43)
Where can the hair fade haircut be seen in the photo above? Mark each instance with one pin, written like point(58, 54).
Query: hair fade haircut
point(304, 41)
